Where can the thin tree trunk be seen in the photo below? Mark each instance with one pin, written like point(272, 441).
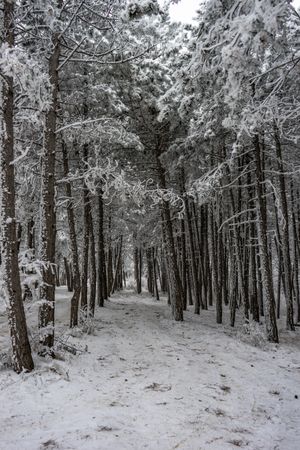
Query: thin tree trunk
point(296, 255)
point(238, 254)
point(233, 277)
point(137, 268)
point(285, 239)
point(155, 275)
point(109, 268)
point(102, 280)
point(253, 245)
point(215, 270)
point(47, 291)
point(183, 263)
point(270, 315)
point(118, 266)
point(193, 257)
point(31, 251)
point(68, 274)
point(73, 243)
point(149, 271)
point(93, 269)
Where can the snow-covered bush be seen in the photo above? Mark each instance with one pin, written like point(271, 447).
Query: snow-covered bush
point(253, 333)
point(87, 323)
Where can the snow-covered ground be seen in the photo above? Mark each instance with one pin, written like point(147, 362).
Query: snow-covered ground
point(144, 381)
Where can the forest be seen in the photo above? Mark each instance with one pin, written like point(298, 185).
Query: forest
point(150, 210)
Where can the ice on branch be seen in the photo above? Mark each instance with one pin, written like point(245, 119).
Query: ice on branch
point(31, 80)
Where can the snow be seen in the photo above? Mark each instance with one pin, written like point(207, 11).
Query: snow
point(148, 382)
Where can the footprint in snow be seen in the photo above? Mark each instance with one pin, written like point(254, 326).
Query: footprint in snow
point(104, 428)
point(159, 387)
point(50, 445)
point(225, 388)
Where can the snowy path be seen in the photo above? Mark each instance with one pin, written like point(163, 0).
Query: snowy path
point(147, 382)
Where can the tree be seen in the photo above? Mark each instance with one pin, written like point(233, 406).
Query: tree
point(22, 359)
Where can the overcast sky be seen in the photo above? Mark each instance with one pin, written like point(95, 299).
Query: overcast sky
point(185, 10)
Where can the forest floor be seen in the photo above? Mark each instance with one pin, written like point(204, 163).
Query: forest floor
point(143, 381)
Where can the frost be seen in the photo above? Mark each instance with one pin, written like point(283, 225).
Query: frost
point(30, 77)
point(254, 334)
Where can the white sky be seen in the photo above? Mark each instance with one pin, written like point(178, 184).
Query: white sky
point(184, 11)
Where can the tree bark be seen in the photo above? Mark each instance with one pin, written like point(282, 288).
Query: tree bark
point(270, 315)
point(102, 279)
point(73, 243)
point(137, 268)
point(85, 251)
point(21, 351)
point(47, 291)
point(118, 266)
point(193, 258)
point(174, 277)
point(285, 239)
point(93, 269)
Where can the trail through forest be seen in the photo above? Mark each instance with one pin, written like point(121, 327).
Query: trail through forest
point(144, 381)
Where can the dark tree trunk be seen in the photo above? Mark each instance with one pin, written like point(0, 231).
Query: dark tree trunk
point(149, 271)
point(47, 291)
point(73, 243)
point(102, 279)
point(238, 255)
point(183, 264)
point(31, 252)
point(296, 255)
point(137, 268)
point(285, 239)
point(254, 304)
point(93, 269)
point(68, 275)
point(21, 352)
point(193, 257)
point(215, 269)
point(118, 271)
point(155, 274)
point(173, 270)
point(86, 240)
point(109, 259)
point(270, 315)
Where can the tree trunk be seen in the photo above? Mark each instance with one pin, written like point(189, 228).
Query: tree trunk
point(270, 315)
point(285, 239)
point(215, 269)
point(155, 275)
point(85, 251)
point(21, 352)
point(173, 271)
point(73, 243)
point(296, 256)
point(238, 255)
point(137, 268)
point(109, 259)
point(31, 252)
point(102, 279)
point(93, 277)
point(183, 264)
point(118, 266)
point(193, 257)
point(47, 291)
